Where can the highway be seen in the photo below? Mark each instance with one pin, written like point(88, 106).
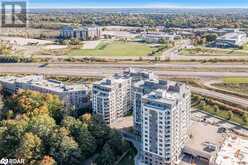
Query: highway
point(108, 69)
point(229, 98)
point(146, 66)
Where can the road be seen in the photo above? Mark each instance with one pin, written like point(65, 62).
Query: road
point(145, 66)
point(172, 53)
point(229, 98)
point(109, 69)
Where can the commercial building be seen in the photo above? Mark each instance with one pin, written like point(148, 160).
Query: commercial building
point(231, 40)
point(82, 33)
point(72, 95)
point(112, 98)
point(165, 124)
point(157, 37)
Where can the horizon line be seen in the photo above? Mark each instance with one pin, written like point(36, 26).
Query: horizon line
point(246, 7)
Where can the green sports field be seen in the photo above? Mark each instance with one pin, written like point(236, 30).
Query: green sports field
point(116, 48)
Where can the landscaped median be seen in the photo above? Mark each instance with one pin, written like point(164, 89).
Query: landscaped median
point(204, 51)
point(237, 85)
point(220, 109)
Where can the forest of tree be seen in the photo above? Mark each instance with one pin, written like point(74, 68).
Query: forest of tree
point(54, 19)
point(36, 127)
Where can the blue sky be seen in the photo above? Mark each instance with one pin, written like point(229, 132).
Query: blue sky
point(138, 3)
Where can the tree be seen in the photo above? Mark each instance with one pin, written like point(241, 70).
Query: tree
point(12, 135)
point(106, 156)
point(245, 117)
point(27, 101)
point(74, 42)
point(86, 118)
point(216, 109)
point(73, 125)
point(35, 103)
point(86, 142)
point(54, 106)
point(99, 130)
point(211, 37)
point(42, 125)
point(5, 48)
point(229, 115)
point(47, 160)
point(81, 134)
point(118, 145)
point(31, 147)
point(63, 147)
point(2, 139)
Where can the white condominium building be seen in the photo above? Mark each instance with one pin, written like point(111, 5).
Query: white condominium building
point(139, 89)
point(117, 93)
point(112, 98)
point(165, 124)
point(139, 74)
point(72, 95)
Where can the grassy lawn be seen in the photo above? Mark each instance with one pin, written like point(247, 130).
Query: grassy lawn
point(245, 47)
point(203, 51)
point(223, 113)
point(240, 88)
point(116, 48)
point(236, 80)
point(234, 84)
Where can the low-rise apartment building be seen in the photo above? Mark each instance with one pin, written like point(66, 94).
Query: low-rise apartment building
point(76, 96)
point(82, 33)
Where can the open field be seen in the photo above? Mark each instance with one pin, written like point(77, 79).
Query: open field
point(240, 88)
point(91, 44)
point(29, 32)
point(116, 48)
point(25, 41)
point(236, 80)
point(202, 51)
point(234, 84)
